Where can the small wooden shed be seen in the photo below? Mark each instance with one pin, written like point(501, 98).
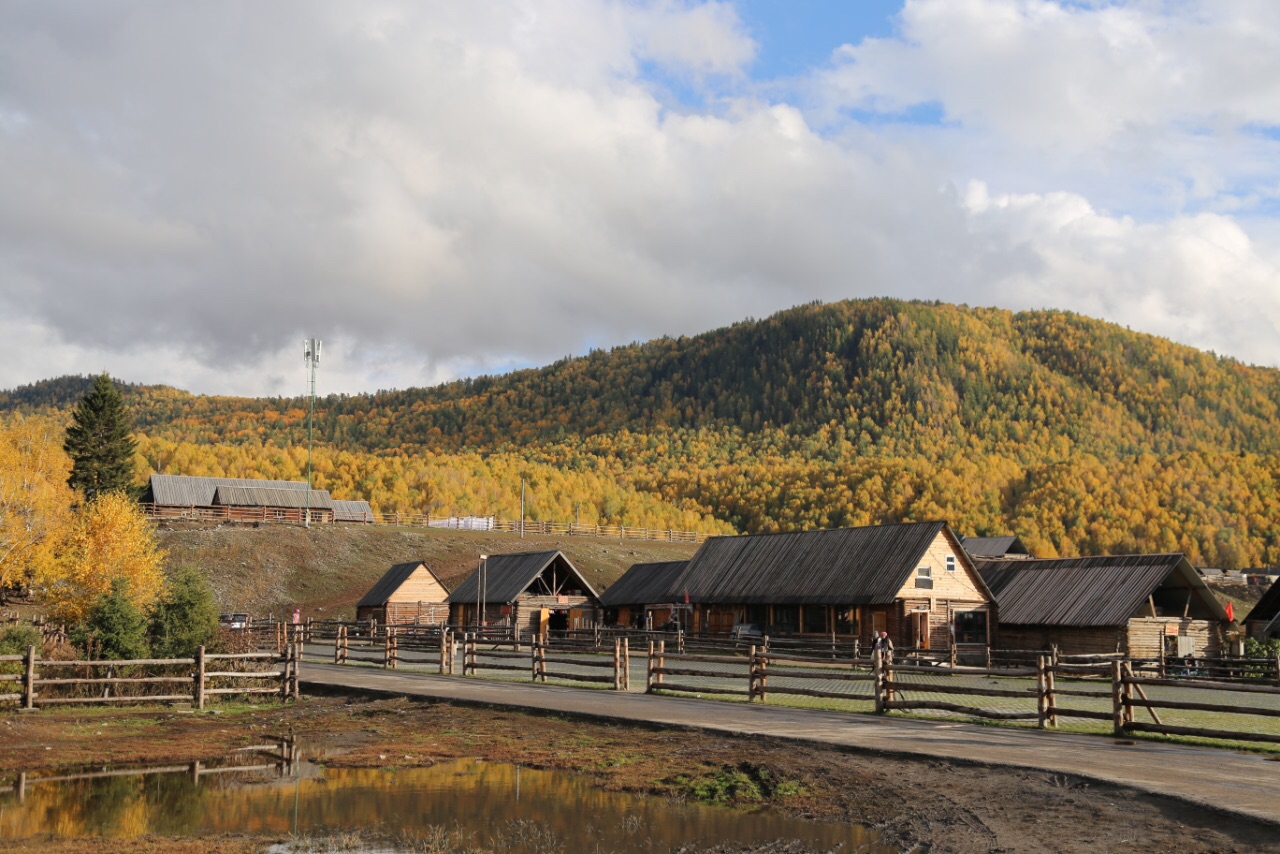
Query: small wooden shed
point(1263, 622)
point(989, 548)
point(640, 598)
point(530, 591)
point(1142, 606)
point(407, 594)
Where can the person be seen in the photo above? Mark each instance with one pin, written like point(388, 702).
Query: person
point(885, 646)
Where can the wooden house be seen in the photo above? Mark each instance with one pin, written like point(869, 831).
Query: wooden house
point(407, 594)
point(352, 511)
point(1137, 605)
point(912, 580)
point(1263, 622)
point(641, 597)
point(236, 499)
point(530, 591)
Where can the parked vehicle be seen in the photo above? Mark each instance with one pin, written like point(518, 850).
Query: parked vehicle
point(233, 621)
point(746, 631)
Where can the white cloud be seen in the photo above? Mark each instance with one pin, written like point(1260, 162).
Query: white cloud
point(187, 190)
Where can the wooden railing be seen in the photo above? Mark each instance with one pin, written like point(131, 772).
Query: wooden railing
point(422, 520)
point(201, 682)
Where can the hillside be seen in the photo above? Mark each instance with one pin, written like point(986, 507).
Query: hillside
point(325, 570)
point(1079, 435)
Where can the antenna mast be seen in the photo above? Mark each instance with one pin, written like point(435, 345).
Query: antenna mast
point(311, 355)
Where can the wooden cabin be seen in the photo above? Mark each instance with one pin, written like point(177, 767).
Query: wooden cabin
point(352, 511)
point(236, 499)
point(640, 598)
point(912, 580)
point(407, 594)
point(1138, 605)
point(1263, 622)
point(530, 591)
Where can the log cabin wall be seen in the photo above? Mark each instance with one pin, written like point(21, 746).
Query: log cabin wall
point(524, 613)
point(1102, 640)
point(951, 585)
point(1146, 636)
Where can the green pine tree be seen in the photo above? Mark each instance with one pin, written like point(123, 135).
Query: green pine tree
point(118, 628)
point(186, 617)
point(100, 443)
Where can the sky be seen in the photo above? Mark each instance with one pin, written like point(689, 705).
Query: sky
point(443, 189)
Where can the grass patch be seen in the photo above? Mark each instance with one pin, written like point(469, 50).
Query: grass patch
point(745, 783)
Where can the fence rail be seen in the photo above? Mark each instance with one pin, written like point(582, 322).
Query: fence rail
point(200, 681)
point(269, 515)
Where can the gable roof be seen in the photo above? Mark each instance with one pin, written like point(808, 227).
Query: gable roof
point(184, 491)
point(253, 496)
point(390, 582)
point(1268, 607)
point(352, 511)
point(644, 584)
point(987, 547)
point(509, 575)
point(847, 566)
point(1084, 591)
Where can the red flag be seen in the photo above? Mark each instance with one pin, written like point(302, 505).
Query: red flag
point(1231, 613)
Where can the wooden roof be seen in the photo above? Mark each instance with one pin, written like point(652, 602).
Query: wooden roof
point(380, 593)
point(183, 491)
point(1268, 607)
point(848, 566)
point(509, 575)
point(644, 584)
point(988, 547)
point(252, 496)
point(352, 511)
point(1085, 591)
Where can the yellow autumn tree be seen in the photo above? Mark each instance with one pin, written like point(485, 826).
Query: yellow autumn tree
point(35, 501)
point(110, 538)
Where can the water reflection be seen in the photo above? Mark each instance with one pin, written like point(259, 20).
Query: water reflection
point(471, 802)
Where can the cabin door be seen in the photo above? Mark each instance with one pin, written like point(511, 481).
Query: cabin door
point(920, 629)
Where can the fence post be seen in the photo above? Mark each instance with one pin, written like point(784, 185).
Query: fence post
point(762, 678)
point(888, 681)
point(542, 663)
point(533, 661)
point(337, 646)
point(29, 680)
point(1117, 698)
point(617, 664)
point(199, 677)
point(751, 682)
point(1128, 693)
point(295, 687)
point(877, 679)
point(1277, 663)
point(1041, 691)
point(648, 671)
point(662, 662)
point(386, 649)
point(626, 664)
point(1051, 694)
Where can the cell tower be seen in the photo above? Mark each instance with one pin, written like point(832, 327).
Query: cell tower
point(311, 355)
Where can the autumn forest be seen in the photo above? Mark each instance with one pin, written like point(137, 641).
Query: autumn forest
point(1078, 435)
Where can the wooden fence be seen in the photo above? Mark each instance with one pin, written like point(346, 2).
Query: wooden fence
point(269, 515)
point(201, 682)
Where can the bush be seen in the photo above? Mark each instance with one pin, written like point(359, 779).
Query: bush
point(187, 616)
point(115, 628)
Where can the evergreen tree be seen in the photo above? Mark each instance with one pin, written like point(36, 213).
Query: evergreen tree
point(99, 441)
point(186, 616)
point(118, 627)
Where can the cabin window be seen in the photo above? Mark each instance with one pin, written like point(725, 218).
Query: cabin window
point(757, 615)
point(971, 627)
point(786, 619)
point(951, 563)
point(924, 577)
point(815, 619)
point(846, 621)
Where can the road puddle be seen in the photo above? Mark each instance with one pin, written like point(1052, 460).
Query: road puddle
point(456, 805)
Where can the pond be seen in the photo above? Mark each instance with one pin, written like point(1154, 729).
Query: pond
point(455, 805)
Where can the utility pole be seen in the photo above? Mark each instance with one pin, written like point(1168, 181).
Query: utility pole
point(311, 355)
point(522, 508)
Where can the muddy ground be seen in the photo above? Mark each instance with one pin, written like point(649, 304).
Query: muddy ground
point(914, 804)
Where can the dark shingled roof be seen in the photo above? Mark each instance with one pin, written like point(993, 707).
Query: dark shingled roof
point(983, 547)
point(1083, 591)
point(1268, 607)
point(390, 582)
point(183, 491)
point(849, 566)
point(507, 576)
point(352, 511)
point(644, 584)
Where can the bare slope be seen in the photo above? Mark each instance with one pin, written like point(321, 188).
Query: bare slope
point(325, 570)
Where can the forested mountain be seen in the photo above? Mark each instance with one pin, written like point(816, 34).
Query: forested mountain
point(1077, 434)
